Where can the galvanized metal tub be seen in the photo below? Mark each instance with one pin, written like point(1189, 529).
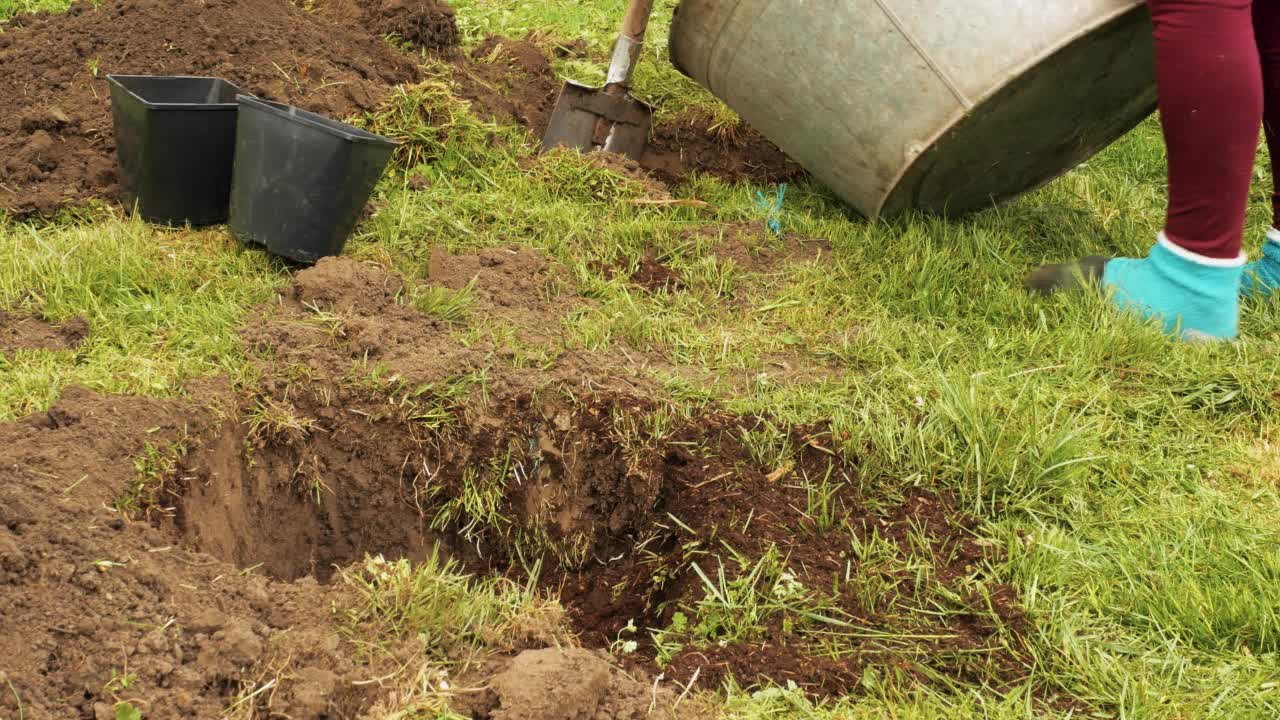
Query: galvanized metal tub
point(945, 106)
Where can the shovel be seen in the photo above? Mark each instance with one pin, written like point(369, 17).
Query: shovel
point(607, 118)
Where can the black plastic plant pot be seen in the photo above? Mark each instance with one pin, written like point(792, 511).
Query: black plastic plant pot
point(175, 140)
point(301, 180)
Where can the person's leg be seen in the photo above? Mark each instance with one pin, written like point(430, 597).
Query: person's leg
point(1210, 86)
point(1263, 276)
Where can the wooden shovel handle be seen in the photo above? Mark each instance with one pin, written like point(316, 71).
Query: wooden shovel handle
point(636, 21)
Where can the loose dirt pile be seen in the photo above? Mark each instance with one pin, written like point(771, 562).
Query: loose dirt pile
point(20, 332)
point(570, 684)
point(56, 142)
point(426, 24)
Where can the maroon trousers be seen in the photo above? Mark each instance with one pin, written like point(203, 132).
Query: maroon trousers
point(1218, 72)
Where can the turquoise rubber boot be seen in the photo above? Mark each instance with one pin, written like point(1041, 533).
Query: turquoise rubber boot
point(1195, 297)
point(1262, 278)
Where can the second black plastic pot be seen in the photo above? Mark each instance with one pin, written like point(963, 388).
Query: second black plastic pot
point(175, 137)
point(301, 180)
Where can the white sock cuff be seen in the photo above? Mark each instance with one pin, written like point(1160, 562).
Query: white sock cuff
point(1273, 236)
point(1185, 254)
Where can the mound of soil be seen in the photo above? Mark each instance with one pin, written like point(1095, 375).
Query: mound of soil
point(570, 684)
point(56, 143)
point(428, 24)
point(512, 80)
point(423, 24)
point(509, 80)
point(514, 284)
point(19, 332)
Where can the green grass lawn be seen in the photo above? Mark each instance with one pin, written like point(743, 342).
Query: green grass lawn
point(1132, 479)
point(9, 8)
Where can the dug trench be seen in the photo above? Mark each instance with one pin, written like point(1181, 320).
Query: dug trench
point(693, 544)
point(651, 529)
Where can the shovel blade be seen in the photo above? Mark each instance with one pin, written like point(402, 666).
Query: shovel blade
point(590, 119)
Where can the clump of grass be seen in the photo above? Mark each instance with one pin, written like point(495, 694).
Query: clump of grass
point(822, 505)
point(477, 507)
point(10, 8)
point(434, 406)
point(442, 303)
point(510, 344)
point(769, 447)
point(431, 123)
point(450, 611)
point(152, 471)
point(272, 419)
point(575, 176)
point(738, 606)
point(426, 695)
point(334, 324)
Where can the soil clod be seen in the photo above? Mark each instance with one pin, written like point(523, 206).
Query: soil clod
point(571, 684)
point(426, 24)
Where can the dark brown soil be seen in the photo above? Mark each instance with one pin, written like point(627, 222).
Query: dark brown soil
point(722, 499)
point(770, 661)
point(680, 148)
point(426, 24)
point(653, 276)
point(509, 80)
point(56, 141)
point(512, 80)
point(21, 332)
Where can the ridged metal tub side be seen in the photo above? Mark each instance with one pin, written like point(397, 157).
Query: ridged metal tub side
point(938, 105)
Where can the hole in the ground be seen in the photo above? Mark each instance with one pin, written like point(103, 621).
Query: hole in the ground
point(300, 487)
point(700, 540)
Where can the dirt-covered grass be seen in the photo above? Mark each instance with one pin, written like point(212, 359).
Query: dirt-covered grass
point(1130, 481)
